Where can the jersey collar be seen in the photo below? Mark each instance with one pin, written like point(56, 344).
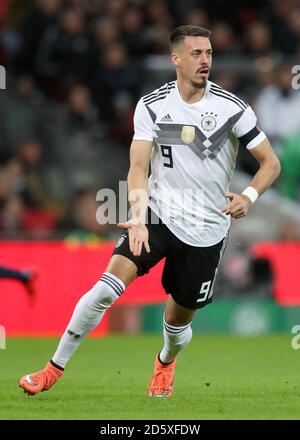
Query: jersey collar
point(198, 104)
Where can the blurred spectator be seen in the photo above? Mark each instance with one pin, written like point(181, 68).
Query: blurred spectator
point(107, 33)
point(196, 17)
point(115, 8)
point(277, 107)
point(75, 134)
point(178, 8)
point(223, 39)
point(266, 78)
point(258, 39)
point(81, 113)
point(158, 14)
point(23, 193)
point(33, 193)
point(21, 113)
point(158, 25)
point(133, 37)
point(82, 221)
point(42, 16)
point(63, 53)
point(11, 177)
point(158, 38)
point(121, 129)
point(16, 219)
point(294, 25)
point(281, 23)
point(90, 8)
point(228, 80)
point(11, 215)
point(116, 75)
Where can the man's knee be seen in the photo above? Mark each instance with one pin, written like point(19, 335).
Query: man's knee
point(177, 315)
point(122, 268)
point(104, 293)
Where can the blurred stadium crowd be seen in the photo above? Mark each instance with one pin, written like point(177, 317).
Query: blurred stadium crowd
point(75, 70)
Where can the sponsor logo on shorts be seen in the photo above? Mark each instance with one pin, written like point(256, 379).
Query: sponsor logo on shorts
point(120, 241)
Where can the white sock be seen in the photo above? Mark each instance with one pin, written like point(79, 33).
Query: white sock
point(87, 315)
point(176, 338)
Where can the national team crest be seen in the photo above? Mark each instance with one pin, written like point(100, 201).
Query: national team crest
point(188, 134)
point(208, 123)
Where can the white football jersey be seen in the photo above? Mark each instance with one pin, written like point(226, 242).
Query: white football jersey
point(194, 154)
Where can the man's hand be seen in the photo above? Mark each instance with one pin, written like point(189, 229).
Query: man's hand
point(238, 205)
point(138, 236)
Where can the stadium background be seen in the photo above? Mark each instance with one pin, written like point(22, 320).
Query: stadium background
point(74, 72)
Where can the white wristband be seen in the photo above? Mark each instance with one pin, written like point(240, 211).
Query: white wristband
point(251, 193)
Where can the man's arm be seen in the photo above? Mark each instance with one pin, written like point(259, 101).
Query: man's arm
point(269, 166)
point(269, 170)
point(140, 154)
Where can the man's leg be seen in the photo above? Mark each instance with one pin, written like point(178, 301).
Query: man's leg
point(87, 314)
point(177, 334)
point(177, 330)
point(8, 273)
point(26, 277)
point(92, 306)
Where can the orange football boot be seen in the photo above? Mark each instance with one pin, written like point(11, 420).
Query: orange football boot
point(42, 380)
point(162, 380)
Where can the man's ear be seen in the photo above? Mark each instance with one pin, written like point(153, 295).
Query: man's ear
point(175, 59)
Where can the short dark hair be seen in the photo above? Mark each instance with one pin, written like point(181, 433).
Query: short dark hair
point(177, 35)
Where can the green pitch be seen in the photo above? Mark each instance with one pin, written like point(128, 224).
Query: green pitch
point(217, 377)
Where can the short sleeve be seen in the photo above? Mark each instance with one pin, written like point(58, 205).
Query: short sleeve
point(247, 131)
point(143, 124)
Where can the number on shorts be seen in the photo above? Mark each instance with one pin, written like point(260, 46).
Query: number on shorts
point(204, 291)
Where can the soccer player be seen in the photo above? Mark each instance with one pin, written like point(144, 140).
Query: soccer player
point(26, 277)
point(190, 130)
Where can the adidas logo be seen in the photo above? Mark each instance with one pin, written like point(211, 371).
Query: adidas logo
point(167, 118)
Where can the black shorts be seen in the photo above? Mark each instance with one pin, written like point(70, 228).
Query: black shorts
point(189, 272)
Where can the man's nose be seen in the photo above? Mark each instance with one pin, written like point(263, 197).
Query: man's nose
point(204, 59)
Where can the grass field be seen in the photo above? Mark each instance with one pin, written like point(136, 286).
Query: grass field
point(217, 377)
